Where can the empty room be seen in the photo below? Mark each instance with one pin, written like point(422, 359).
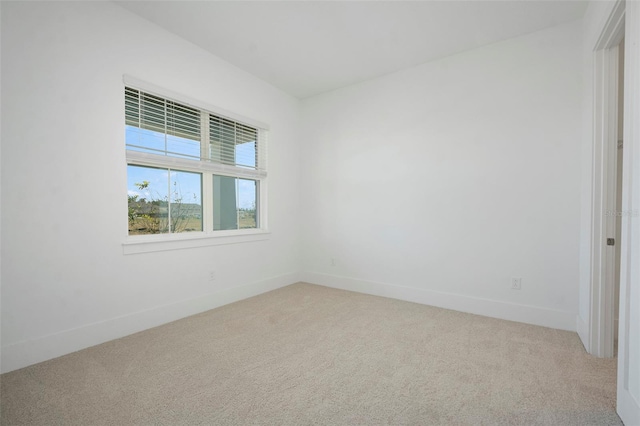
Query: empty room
point(320, 212)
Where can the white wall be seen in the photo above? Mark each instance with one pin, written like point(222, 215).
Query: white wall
point(439, 183)
point(65, 281)
point(436, 184)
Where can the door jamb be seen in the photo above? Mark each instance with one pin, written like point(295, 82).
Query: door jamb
point(603, 200)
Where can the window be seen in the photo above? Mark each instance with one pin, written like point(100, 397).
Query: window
point(190, 170)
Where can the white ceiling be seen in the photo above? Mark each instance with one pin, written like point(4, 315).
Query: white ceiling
point(310, 47)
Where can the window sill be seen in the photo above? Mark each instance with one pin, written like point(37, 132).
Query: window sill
point(153, 243)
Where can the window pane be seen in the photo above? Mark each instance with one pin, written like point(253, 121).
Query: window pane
point(144, 140)
point(161, 126)
point(234, 203)
point(225, 214)
point(162, 200)
point(182, 147)
point(148, 193)
point(246, 154)
point(186, 201)
point(232, 143)
point(154, 142)
point(247, 202)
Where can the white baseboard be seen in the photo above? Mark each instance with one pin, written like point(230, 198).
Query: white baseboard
point(28, 352)
point(583, 332)
point(22, 354)
point(491, 308)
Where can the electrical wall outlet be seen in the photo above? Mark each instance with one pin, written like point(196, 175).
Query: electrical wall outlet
point(332, 261)
point(212, 275)
point(516, 283)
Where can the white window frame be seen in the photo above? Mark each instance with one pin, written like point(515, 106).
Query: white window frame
point(171, 241)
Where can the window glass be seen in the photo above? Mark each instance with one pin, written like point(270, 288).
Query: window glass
point(247, 203)
point(153, 142)
point(186, 201)
point(234, 203)
point(163, 200)
point(161, 126)
point(232, 143)
point(246, 154)
point(184, 161)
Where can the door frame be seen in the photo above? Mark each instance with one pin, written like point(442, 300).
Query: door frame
point(621, 16)
point(603, 199)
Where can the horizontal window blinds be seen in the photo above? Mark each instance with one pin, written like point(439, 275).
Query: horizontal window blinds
point(151, 112)
point(232, 142)
point(171, 128)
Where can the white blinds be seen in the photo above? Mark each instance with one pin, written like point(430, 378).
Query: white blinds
point(151, 112)
point(233, 143)
point(160, 126)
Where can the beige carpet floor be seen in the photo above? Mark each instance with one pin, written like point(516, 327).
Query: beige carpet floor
point(306, 354)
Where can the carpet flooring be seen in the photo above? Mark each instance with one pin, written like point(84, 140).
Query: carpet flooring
point(307, 354)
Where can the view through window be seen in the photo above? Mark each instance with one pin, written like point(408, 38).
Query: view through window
point(189, 170)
